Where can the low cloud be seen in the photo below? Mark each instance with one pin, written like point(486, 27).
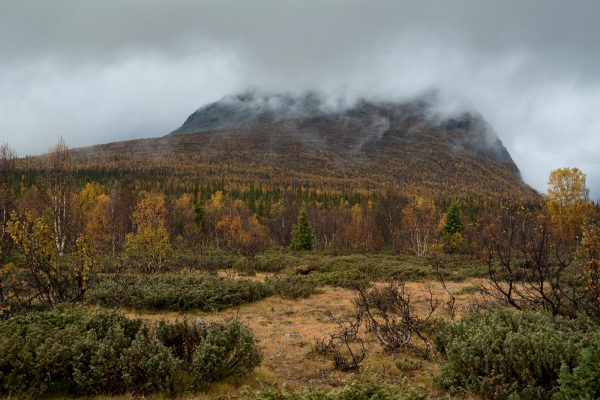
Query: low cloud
point(112, 70)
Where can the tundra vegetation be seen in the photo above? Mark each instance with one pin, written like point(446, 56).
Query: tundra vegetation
point(120, 285)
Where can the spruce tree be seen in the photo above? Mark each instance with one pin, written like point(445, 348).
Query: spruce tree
point(453, 223)
point(199, 213)
point(302, 234)
point(453, 231)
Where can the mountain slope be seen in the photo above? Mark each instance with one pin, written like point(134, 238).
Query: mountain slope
point(290, 140)
point(308, 117)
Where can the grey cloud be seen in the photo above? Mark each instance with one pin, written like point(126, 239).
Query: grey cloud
point(97, 71)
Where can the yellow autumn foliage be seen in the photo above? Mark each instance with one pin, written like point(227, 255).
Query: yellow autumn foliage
point(149, 247)
point(567, 202)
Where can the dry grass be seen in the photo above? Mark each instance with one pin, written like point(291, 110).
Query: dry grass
point(286, 331)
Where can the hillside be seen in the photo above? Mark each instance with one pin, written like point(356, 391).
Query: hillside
point(289, 140)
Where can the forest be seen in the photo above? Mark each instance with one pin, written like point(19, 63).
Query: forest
point(225, 286)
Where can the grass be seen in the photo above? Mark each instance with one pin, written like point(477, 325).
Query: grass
point(286, 330)
point(468, 290)
point(294, 299)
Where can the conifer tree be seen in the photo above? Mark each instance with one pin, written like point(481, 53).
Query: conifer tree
point(260, 209)
point(453, 223)
point(302, 234)
point(199, 214)
point(453, 231)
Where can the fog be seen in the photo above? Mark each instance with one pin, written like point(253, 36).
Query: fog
point(100, 71)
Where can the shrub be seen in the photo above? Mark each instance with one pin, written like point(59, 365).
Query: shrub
point(181, 337)
point(148, 365)
point(345, 348)
point(391, 315)
point(352, 391)
point(342, 269)
point(348, 279)
point(583, 382)
point(292, 286)
point(407, 365)
point(62, 350)
point(72, 351)
point(178, 292)
point(227, 350)
point(500, 353)
point(97, 363)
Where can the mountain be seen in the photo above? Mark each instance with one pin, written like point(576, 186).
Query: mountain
point(309, 140)
point(332, 127)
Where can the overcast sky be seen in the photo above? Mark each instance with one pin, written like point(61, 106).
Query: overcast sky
point(100, 71)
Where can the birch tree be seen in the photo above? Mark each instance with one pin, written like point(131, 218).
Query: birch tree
point(7, 169)
point(419, 220)
point(59, 180)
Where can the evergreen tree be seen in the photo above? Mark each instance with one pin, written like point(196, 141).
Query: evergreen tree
point(453, 231)
point(302, 234)
point(453, 223)
point(199, 214)
point(260, 209)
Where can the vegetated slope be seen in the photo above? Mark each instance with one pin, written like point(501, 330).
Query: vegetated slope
point(288, 140)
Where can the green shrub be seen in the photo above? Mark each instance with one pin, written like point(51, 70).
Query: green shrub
point(352, 391)
point(504, 352)
point(346, 278)
point(342, 269)
point(62, 350)
point(227, 350)
point(271, 261)
point(97, 362)
point(72, 351)
point(177, 292)
point(211, 259)
point(407, 365)
point(365, 391)
point(181, 337)
point(148, 366)
point(582, 382)
point(292, 286)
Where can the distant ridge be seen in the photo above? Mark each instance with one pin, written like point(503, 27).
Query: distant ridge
point(305, 140)
point(310, 116)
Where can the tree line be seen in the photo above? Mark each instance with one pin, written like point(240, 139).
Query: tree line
point(56, 228)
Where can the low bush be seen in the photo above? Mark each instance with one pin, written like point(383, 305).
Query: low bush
point(582, 382)
point(343, 346)
point(182, 337)
point(177, 292)
point(408, 365)
point(348, 279)
point(205, 258)
point(147, 365)
point(227, 350)
point(352, 391)
point(505, 353)
point(292, 286)
point(70, 351)
point(345, 269)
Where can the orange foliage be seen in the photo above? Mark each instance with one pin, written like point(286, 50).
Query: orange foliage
point(244, 236)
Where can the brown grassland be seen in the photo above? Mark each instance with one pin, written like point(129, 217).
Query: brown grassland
point(287, 330)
